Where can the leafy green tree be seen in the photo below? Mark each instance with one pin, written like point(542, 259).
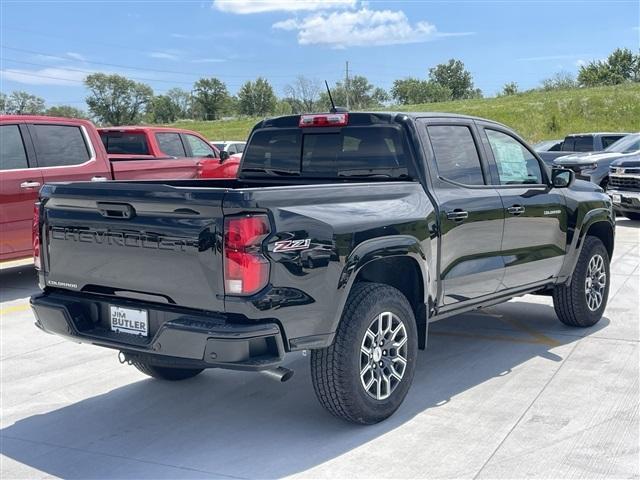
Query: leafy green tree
point(362, 95)
point(456, 77)
point(212, 98)
point(256, 98)
point(412, 91)
point(117, 100)
point(23, 103)
point(3, 102)
point(559, 81)
point(164, 110)
point(510, 88)
point(66, 111)
point(620, 66)
point(181, 100)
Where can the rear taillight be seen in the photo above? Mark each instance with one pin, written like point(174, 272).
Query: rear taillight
point(246, 270)
point(35, 235)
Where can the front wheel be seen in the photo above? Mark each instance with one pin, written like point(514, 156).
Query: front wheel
point(364, 376)
point(581, 303)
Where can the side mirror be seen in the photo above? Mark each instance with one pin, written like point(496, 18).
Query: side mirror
point(224, 155)
point(561, 177)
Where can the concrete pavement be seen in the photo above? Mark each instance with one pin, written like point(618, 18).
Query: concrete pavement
point(508, 392)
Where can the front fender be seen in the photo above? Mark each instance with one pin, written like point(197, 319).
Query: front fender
point(590, 218)
point(377, 249)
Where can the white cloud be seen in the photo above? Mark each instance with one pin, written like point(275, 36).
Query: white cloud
point(580, 63)
point(360, 28)
point(44, 76)
point(243, 7)
point(76, 56)
point(170, 54)
point(208, 60)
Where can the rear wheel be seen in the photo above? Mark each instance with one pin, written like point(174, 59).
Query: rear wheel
point(165, 373)
point(364, 376)
point(581, 303)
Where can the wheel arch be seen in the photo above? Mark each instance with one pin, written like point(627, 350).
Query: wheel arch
point(397, 261)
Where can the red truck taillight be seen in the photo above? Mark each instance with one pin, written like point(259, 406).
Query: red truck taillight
point(35, 235)
point(246, 270)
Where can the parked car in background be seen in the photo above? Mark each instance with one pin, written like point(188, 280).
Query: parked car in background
point(582, 143)
point(231, 147)
point(548, 146)
point(594, 166)
point(39, 149)
point(624, 186)
point(344, 235)
point(184, 154)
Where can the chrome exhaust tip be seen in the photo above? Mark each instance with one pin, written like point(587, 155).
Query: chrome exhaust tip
point(281, 374)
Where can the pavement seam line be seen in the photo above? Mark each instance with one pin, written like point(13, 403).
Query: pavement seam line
point(47, 444)
point(526, 411)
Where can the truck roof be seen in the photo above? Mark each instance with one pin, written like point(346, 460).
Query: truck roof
point(391, 115)
point(595, 134)
point(44, 118)
point(153, 128)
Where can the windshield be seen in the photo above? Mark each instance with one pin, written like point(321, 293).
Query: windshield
point(628, 144)
point(352, 151)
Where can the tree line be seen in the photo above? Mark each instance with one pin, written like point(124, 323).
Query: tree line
point(117, 100)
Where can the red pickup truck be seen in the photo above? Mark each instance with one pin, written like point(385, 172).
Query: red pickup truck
point(182, 151)
point(39, 149)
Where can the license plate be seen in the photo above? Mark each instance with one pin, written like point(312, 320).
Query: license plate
point(129, 320)
point(616, 198)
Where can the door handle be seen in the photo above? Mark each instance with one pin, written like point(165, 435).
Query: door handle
point(516, 210)
point(99, 179)
point(457, 215)
point(29, 184)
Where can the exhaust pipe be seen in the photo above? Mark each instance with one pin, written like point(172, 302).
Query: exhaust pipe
point(281, 374)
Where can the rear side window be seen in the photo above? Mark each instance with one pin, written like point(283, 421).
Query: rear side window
point(125, 143)
point(59, 145)
point(584, 144)
point(568, 145)
point(456, 154)
point(171, 144)
point(12, 153)
point(348, 151)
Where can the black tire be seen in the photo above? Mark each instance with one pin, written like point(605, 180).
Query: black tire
point(571, 300)
point(336, 370)
point(632, 216)
point(165, 373)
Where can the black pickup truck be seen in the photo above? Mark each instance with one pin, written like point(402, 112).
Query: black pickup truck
point(345, 235)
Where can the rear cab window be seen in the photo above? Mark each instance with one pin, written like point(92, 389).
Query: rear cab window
point(12, 152)
point(583, 144)
point(131, 143)
point(369, 146)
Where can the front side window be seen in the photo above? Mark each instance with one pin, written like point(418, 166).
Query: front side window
point(456, 154)
point(239, 147)
point(199, 148)
point(608, 140)
point(59, 145)
point(516, 165)
point(171, 144)
point(12, 153)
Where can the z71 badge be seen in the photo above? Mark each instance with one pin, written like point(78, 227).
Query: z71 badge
point(291, 245)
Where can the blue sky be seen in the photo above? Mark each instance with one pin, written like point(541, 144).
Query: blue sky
point(48, 47)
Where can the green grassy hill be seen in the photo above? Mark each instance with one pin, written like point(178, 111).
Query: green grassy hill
point(536, 115)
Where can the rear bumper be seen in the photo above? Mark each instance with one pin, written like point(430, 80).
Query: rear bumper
point(625, 200)
point(177, 337)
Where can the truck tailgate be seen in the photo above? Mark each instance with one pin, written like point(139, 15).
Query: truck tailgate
point(148, 241)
